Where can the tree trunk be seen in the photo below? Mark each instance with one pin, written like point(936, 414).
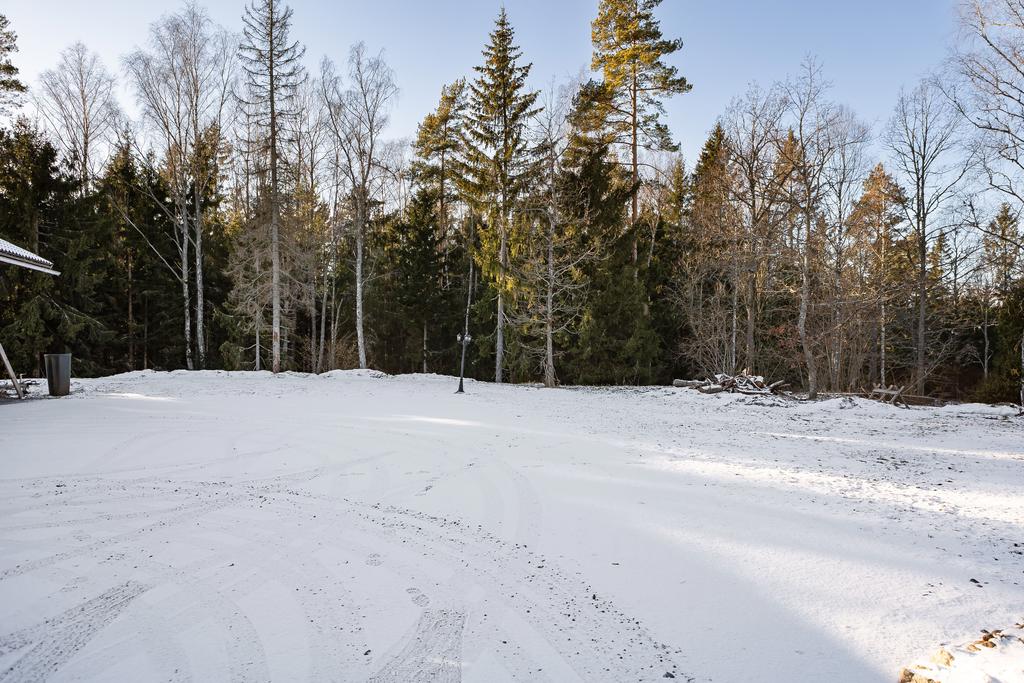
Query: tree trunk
point(805, 296)
point(335, 314)
point(882, 346)
point(635, 161)
point(424, 347)
point(984, 358)
point(360, 340)
point(312, 325)
point(549, 342)
point(751, 295)
point(200, 303)
point(131, 317)
point(186, 299)
point(145, 332)
point(922, 309)
point(275, 255)
point(323, 326)
point(275, 289)
point(882, 322)
point(735, 320)
point(499, 344)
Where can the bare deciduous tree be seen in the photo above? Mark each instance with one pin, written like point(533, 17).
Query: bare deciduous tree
point(808, 159)
point(357, 116)
point(990, 89)
point(844, 174)
point(924, 137)
point(752, 126)
point(183, 83)
point(76, 100)
point(274, 72)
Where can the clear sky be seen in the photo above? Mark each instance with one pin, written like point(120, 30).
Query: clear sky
point(869, 48)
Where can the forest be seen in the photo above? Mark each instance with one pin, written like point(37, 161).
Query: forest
point(253, 213)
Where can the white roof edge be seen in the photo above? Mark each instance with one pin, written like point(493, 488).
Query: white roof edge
point(15, 255)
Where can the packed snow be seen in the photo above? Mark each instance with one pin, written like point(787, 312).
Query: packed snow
point(354, 526)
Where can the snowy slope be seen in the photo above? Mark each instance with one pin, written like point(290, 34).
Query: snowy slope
point(215, 526)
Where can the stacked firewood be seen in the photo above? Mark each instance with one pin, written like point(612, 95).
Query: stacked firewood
point(742, 383)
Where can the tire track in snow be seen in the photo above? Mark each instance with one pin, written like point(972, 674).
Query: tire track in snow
point(432, 653)
point(206, 589)
point(216, 496)
point(55, 641)
point(593, 637)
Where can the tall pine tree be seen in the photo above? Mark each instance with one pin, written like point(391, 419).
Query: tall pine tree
point(629, 52)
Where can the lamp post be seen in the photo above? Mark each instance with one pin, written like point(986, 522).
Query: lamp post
point(464, 339)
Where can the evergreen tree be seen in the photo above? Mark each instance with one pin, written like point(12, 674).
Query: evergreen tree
point(615, 343)
point(437, 143)
point(495, 170)
point(138, 311)
point(706, 284)
point(876, 215)
point(41, 208)
point(417, 259)
point(671, 241)
point(1003, 253)
point(629, 52)
point(273, 74)
point(10, 86)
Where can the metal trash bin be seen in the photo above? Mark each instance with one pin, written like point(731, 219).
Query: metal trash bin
point(58, 373)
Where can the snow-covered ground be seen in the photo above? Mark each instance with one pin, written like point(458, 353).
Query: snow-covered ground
point(219, 526)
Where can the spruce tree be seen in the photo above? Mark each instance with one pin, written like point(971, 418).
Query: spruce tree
point(497, 157)
point(42, 208)
point(273, 74)
point(1001, 247)
point(615, 343)
point(437, 141)
point(417, 260)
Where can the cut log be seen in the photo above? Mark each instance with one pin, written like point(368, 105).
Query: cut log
point(689, 383)
point(711, 389)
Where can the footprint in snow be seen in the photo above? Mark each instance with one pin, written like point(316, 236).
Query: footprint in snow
point(418, 598)
point(374, 560)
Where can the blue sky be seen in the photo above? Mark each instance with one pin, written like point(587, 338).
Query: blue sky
point(869, 48)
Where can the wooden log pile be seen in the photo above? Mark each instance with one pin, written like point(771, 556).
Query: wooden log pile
point(742, 383)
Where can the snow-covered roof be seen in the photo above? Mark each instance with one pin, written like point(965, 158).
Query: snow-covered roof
point(15, 255)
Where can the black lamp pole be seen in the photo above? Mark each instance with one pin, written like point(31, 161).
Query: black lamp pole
point(464, 338)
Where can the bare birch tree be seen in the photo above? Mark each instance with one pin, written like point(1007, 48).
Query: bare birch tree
point(76, 100)
point(357, 117)
point(182, 83)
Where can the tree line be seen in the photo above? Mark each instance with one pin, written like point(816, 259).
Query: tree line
point(255, 214)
